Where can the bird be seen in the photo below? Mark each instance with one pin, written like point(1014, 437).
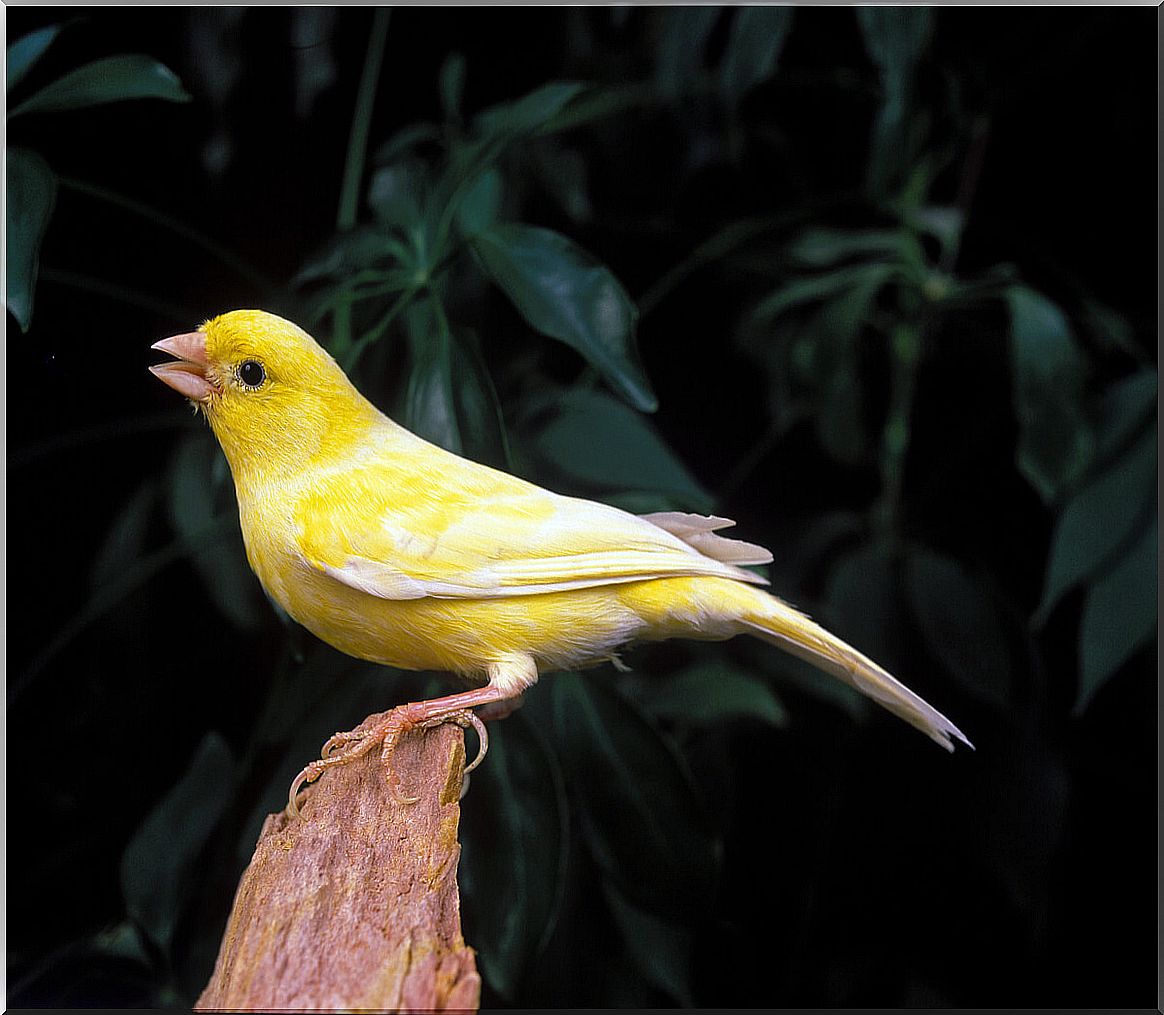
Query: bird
point(399, 552)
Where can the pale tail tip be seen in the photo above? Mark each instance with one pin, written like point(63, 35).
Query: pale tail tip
point(944, 734)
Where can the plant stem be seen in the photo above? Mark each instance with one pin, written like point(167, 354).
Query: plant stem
point(357, 154)
point(906, 353)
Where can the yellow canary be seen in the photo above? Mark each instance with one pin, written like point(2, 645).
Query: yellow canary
point(396, 551)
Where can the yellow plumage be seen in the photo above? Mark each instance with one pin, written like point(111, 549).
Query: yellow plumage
point(397, 551)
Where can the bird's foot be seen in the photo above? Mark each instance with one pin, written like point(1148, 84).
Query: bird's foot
point(386, 729)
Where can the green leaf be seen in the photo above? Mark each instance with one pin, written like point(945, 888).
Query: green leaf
point(25, 51)
point(563, 173)
point(945, 224)
point(1120, 615)
point(662, 951)
point(959, 624)
point(451, 400)
point(452, 85)
point(513, 849)
point(641, 817)
point(1050, 373)
point(32, 190)
point(1126, 405)
point(430, 408)
point(221, 565)
point(1099, 520)
point(157, 863)
point(482, 422)
point(525, 115)
point(754, 46)
point(812, 288)
point(397, 194)
point(348, 254)
point(110, 79)
point(822, 248)
point(709, 693)
point(895, 39)
point(404, 140)
point(681, 38)
point(599, 442)
point(478, 208)
point(564, 293)
point(864, 603)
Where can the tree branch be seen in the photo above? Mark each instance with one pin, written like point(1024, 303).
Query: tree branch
point(355, 906)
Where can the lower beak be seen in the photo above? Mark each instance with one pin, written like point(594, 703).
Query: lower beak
point(188, 375)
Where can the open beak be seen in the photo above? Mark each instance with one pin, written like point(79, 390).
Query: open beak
point(188, 374)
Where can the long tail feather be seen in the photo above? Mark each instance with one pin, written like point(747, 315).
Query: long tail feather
point(788, 628)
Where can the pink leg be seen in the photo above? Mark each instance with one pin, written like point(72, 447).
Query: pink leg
point(386, 729)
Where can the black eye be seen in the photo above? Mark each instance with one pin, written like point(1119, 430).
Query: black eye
point(252, 373)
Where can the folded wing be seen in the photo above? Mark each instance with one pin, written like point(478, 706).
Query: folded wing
point(476, 533)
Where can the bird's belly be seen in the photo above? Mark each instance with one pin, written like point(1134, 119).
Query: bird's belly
point(561, 630)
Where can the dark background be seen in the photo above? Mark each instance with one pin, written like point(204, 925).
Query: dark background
point(847, 861)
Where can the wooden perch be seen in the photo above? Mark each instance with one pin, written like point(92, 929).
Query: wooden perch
point(355, 905)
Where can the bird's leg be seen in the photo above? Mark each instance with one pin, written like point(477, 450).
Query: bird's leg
point(507, 680)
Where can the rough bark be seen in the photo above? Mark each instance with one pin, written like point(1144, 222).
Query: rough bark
point(355, 905)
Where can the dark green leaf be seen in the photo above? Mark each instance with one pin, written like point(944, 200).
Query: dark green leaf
point(1099, 520)
point(661, 950)
point(397, 194)
point(513, 826)
point(642, 820)
point(430, 408)
point(681, 38)
point(356, 251)
point(478, 208)
point(864, 603)
point(25, 51)
point(1050, 372)
point(110, 79)
point(598, 441)
point(959, 624)
point(1112, 330)
point(156, 865)
point(942, 223)
point(895, 39)
point(222, 565)
point(527, 114)
point(564, 293)
point(1126, 406)
point(482, 423)
point(754, 46)
point(452, 85)
point(708, 693)
point(32, 190)
point(1120, 615)
point(823, 248)
point(404, 140)
point(563, 173)
point(812, 288)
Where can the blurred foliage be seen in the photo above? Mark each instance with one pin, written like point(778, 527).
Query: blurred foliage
point(948, 440)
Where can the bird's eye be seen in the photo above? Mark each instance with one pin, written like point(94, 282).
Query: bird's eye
point(252, 374)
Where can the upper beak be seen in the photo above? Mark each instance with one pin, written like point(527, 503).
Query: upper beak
point(188, 375)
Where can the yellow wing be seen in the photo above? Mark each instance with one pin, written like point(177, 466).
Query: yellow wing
point(428, 523)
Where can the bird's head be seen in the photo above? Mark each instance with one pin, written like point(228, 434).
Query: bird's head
point(272, 394)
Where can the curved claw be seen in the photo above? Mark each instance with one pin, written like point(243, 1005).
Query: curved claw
point(482, 738)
